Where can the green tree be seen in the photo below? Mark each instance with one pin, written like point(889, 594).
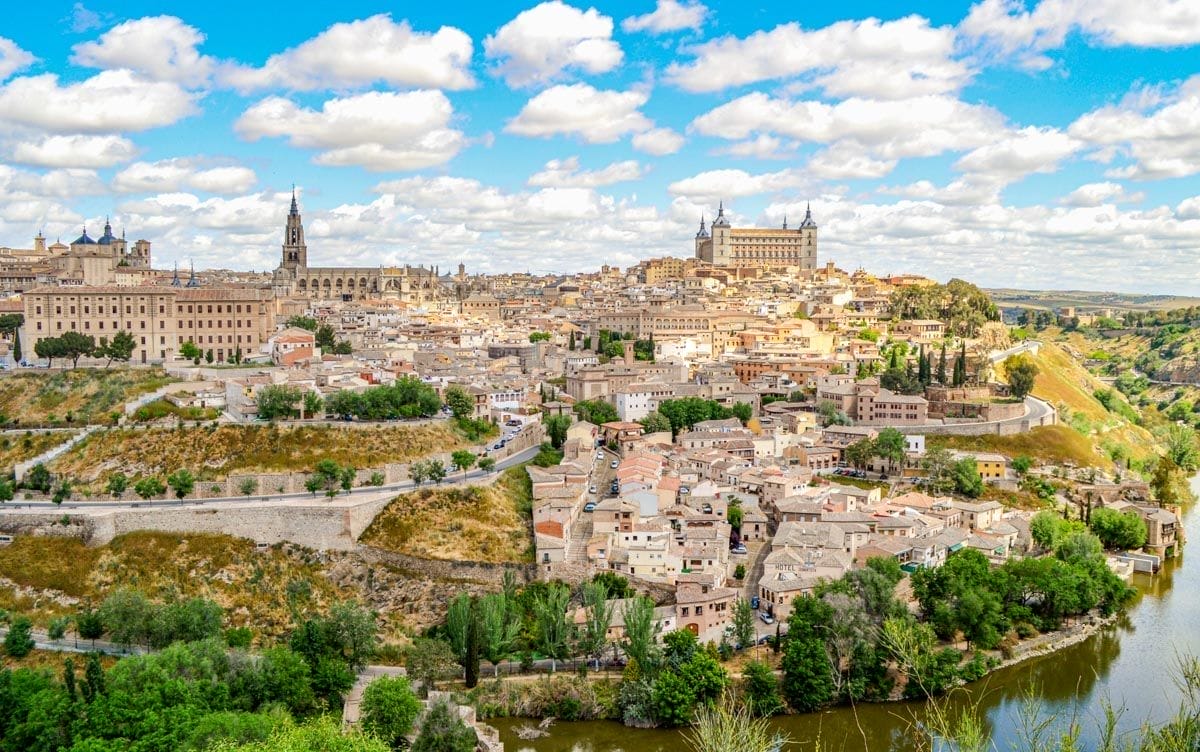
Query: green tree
point(807, 673)
point(248, 486)
point(149, 487)
point(6, 490)
point(655, 422)
point(49, 348)
point(1021, 464)
point(553, 629)
point(117, 483)
point(302, 322)
point(487, 464)
point(743, 622)
point(38, 478)
point(276, 401)
point(325, 338)
point(1182, 447)
point(442, 730)
point(760, 689)
point(1045, 529)
point(967, 481)
point(641, 632)
point(182, 482)
point(429, 661)
point(461, 404)
point(127, 616)
point(673, 699)
point(463, 459)
point(18, 643)
point(742, 411)
point(890, 445)
point(76, 345)
point(499, 627)
point(598, 613)
point(89, 625)
point(556, 428)
point(435, 470)
point(190, 351)
point(58, 627)
point(418, 471)
point(1118, 530)
point(860, 453)
point(312, 404)
point(539, 336)
point(389, 708)
point(734, 513)
point(119, 348)
point(596, 412)
point(1022, 374)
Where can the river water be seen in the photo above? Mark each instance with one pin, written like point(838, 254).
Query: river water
point(1129, 664)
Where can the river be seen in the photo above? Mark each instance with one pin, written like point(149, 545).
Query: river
point(1129, 664)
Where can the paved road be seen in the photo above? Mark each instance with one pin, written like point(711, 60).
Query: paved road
point(407, 485)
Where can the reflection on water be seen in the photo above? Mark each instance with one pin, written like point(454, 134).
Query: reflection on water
point(1128, 664)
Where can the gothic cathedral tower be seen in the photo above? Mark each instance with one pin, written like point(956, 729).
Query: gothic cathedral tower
point(295, 252)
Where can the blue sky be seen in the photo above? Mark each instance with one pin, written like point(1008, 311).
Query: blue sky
point(1051, 143)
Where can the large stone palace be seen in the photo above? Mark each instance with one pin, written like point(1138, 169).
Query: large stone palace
point(758, 247)
point(106, 260)
point(295, 278)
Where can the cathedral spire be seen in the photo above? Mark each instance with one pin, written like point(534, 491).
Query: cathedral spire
point(295, 210)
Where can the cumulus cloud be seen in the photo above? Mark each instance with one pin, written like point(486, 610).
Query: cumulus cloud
point(565, 173)
point(110, 101)
point(547, 39)
point(595, 115)
point(363, 52)
point(74, 151)
point(1160, 135)
point(1011, 28)
point(881, 59)
point(716, 185)
point(668, 15)
point(848, 161)
point(378, 131)
point(13, 58)
point(887, 129)
point(177, 174)
point(658, 141)
point(1020, 153)
point(160, 48)
point(1097, 194)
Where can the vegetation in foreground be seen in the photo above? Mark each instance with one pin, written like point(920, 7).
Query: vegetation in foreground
point(80, 396)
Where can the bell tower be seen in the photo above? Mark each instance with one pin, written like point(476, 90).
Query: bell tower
point(295, 252)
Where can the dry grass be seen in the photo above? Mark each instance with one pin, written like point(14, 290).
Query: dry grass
point(16, 448)
point(1052, 444)
point(86, 394)
point(477, 523)
point(251, 586)
point(52, 661)
point(216, 452)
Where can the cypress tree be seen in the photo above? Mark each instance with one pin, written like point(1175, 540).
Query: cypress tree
point(571, 342)
point(69, 678)
point(941, 371)
point(473, 638)
point(16, 346)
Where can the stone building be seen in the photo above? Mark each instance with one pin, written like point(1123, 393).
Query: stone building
point(758, 247)
point(295, 278)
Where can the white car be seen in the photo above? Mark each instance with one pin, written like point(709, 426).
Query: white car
point(599, 455)
point(614, 464)
point(591, 489)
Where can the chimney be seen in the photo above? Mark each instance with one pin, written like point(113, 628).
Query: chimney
point(627, 344)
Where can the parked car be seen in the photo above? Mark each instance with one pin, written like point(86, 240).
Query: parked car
point(754, 602)
point(766, 617)
point(498, 445)
point(591, 489)
point(599, 455)
point(614, 464)
point(589, 507)
point(738, 549)
point(684, 490)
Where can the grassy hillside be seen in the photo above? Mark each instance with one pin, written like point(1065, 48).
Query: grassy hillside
point(215, 452)
point(480, 523)
point(1064, 382)
point(45, 576)
point(1052, 444)
point(78, 396)
point(21, 447)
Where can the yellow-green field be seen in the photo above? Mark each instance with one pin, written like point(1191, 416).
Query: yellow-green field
point(76, 396)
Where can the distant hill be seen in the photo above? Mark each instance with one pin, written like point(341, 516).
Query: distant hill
point(1086, 299)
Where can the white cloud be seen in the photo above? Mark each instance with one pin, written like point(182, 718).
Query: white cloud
point(893, 129)
point(74, 151)
point(378, 131)
point(360, 53)
point(1189, 208)
point(1160, 135)
point(170, 175)
point(762, 146)
point(596, 116)
point(668, 15)
point(60, 184)
point(1098, 194)
point(565, 173)
point(717, 185)
point(543, 41)
point(1011, 28)
point(12, 58)
point(82, 19)
point(881, 59)
point(110, 101)
point(848, 161)
point(1020, 153)
point(658, 141)
point(969, 190)
point(161, 48)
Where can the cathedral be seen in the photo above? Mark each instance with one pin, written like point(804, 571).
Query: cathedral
point(758, 247)
point(295, 278)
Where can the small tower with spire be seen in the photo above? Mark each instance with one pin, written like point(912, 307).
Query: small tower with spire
point(722, 238)
point(192, 281)
point(295, 252)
